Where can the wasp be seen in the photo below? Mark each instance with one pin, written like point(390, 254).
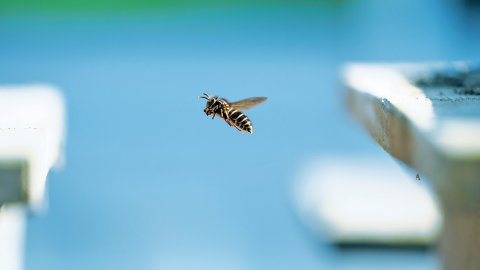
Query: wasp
point(230, 112)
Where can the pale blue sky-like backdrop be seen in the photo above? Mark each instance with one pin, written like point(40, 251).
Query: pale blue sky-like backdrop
point(150, 182)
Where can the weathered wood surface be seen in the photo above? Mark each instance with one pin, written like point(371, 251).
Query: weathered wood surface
point(428, 116)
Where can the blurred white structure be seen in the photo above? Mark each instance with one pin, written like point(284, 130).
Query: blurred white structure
point(32, 138)
point(367, 201)
point(427, 115)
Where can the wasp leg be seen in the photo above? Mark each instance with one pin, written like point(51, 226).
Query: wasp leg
point(213, 116)
point(238, 129)
point(230, 124)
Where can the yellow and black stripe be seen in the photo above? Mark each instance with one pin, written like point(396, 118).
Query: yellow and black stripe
point(239, 119)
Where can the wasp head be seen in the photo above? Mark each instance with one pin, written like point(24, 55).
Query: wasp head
point(210, 101)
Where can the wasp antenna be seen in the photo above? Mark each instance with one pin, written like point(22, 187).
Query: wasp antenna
point(205, 95)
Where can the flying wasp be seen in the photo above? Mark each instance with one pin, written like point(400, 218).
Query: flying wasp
point(230, 112)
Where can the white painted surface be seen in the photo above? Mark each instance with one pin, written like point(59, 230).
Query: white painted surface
point(447, 120)
point(13, 219)
point(36, 106)
point(367, 200)
point(32, 129)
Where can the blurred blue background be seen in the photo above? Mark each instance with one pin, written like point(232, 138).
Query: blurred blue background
point(152, 183)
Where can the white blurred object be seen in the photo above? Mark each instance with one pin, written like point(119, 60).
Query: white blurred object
point(32, 138)
point(36, 107)
point(367, 201)
point(13, 219)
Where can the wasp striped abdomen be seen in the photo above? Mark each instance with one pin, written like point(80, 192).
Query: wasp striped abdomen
point(240, 120)
point(230, 111)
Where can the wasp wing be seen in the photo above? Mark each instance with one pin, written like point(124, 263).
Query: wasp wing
point(248, 103)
